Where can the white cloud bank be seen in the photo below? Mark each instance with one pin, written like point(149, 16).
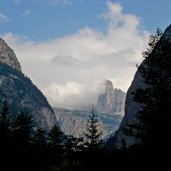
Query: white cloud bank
point(70, 70)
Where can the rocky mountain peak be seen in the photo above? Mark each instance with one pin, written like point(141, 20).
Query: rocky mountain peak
point(112, 101)
point(19, 91)
point(8, 56)
point(109, 86)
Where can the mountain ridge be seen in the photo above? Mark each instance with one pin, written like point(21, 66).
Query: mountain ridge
point(111, 101)
point(19, 91)
point(73, 122)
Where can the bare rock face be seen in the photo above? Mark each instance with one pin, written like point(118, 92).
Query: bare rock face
point(132, 108)
point(112, 101)
point(19, 91)
point(8, 56)
point(74, 122)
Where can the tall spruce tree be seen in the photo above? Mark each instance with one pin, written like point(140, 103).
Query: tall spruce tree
point(154, 129)
point(92, 134)
point(56, 148)
point(55, 136)
point(5, 134)
point(23, 126)
point(40, 137)
point(41, 155)
point(5, 122)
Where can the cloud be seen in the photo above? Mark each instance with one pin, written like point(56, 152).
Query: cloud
point(73, 95)
point(71, 70)
point(3, 18)
point(67, 61)
point(25, 13)
point(117, 20)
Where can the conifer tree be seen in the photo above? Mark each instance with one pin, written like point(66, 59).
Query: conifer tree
point(92, 134)
point(5, 122)
point(55, 136)
point(154, 129)
point(41, 155)
point(74, 144)
point(40, 138)
point(5, 134)
point(22, 129)
point(56, 148)
point(23, 126)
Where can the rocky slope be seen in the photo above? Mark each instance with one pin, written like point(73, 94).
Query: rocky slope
point(74, 122)
point(112, 101)
point(20, 92)
point(131, 109)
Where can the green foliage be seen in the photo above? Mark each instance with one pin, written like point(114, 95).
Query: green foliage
point(22, 129)
point(155, 97)
point(5, 133)
point(74, 144)
point(39, 137)
point(153, 40)
point(55, 146)
point(55, 136)
point(4, 121)
point(92, 133)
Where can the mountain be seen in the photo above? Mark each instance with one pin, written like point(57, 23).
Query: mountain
point(73, 122)
point(109, 110)
point(112, 101)
point(132, 108)
point(20, 92)
point(8, 56)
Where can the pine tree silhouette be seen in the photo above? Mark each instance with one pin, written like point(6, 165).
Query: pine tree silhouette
point(154, 128)
point(5, 134)
point(92, 134)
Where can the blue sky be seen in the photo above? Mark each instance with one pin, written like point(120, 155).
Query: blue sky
point(46, 19)
point(69, 47)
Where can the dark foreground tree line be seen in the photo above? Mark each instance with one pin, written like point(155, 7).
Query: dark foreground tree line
point(26, 147)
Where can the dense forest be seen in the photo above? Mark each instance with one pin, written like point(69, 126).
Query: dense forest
point(26, 147)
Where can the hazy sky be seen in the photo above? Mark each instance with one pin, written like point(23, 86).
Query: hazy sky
point(69, 47)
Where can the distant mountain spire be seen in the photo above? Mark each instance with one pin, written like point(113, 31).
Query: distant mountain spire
point(112, 101)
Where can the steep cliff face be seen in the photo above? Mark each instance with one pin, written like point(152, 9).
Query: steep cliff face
point(112, 101)
point(132, 108)
point(20, 92)
point(74, 122)
point(8, 56)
